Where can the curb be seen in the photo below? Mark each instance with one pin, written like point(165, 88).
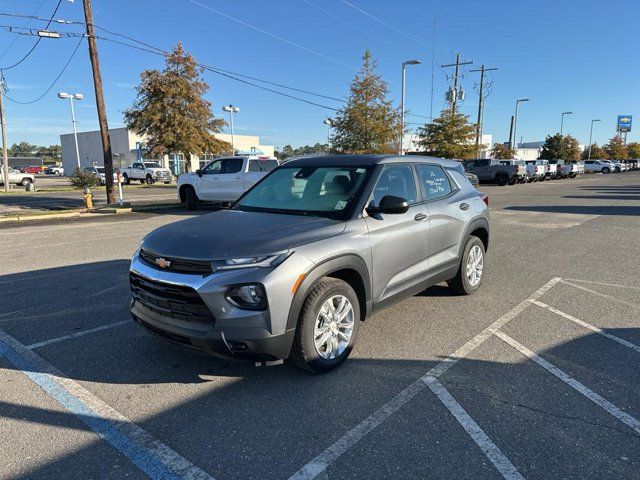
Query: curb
point(25, 218)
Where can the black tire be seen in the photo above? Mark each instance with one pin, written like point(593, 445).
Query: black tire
point(148, 180)
point(513, 181)
point(125, 179)
point(304, 354)
point(460, 283)
point(25, 182)
point(190, 198)
point(605, 170)
point(501, 180)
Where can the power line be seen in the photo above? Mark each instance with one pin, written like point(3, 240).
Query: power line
point(42, 19)
point(37, 41)
point(52, 83)
point(273, 35)
point(26, 25)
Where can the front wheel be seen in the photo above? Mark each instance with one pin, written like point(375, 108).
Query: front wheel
point(25, 182)
point(471, 271)
point(605, 170)
point(148, 180)
point(190, 198)
point(327, 327)
point(125, 179)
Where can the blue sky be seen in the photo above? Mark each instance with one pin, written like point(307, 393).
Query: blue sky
point(579, 56)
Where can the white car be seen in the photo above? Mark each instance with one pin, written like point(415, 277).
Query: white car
point(616, 166)
point(55, 170)
point(17, 178)
point(99, 172)
point(594, 166)
point(146, 172)
point(224, 180)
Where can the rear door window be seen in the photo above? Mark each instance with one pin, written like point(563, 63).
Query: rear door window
point(434, 181)
point(262, 165)
point(232, 165)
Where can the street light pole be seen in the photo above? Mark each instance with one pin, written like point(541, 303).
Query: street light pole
point(71, 96)
point(591, 137)
point(5, 159)
point(231, 109)
point(562, 120)
point(404, 68)
point(515, 124)
point(328, 122)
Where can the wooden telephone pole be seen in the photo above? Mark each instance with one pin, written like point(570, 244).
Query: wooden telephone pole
point(102, 112)
point(482, 71)
point(5, 160)
point(456, 74)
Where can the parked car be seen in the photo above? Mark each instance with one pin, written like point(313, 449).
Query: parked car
point(594, 166)
point(223, 180)
point(521, 170)
point(146, 172)
point(574, 168)
point(492, 171)
point(54, 170)
point(17, 178)
point(616, 166)
point(537, 170)
point(290, 272)
point(100, 173)
point(33, 170)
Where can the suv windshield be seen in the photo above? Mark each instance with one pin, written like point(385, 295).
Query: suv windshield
point(319, 191)
point(152, 165)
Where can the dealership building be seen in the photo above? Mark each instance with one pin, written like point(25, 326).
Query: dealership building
point(127, 147)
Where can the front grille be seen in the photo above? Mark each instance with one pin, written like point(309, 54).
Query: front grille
point(178, 265)
point(174, 301)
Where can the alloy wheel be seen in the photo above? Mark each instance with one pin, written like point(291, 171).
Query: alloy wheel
point(333, 327)
point(475, 264)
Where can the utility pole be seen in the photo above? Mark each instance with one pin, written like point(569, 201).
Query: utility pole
point(482, 71)
point(457, 65)
point(102, 111)
point(511, 133)
point(5, 160)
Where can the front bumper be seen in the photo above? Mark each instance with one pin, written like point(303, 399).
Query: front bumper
point(215, 326)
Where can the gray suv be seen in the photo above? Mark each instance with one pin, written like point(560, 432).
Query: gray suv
point(314, 248)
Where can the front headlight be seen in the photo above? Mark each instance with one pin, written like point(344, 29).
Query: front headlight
point(264, 261)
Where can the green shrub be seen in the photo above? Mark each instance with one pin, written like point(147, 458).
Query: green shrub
point(81, 180)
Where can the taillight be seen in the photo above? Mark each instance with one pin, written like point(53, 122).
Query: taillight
point(485, 198)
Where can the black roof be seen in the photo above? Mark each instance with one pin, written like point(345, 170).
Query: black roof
point(363, 160)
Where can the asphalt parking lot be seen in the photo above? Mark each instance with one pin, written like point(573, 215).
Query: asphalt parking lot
point(535, 376)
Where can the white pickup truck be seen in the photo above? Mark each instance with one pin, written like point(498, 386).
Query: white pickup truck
point(223, 180)
point(146, 172)
point(537, 170)
point(17, 178)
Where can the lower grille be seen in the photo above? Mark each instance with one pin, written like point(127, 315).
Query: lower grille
point(174, 301)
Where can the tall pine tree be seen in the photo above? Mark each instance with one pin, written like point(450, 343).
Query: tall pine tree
point(368, 123)
point(171, 112)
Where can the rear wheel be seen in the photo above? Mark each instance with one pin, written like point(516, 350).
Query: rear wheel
point(502, 180)
point(513, 181)
point(471, 270)
point(190, 198)
point(25, 182)
point(327, 327)
point(605, 170)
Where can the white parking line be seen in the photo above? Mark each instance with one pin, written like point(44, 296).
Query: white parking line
point(573, 383)
point(153, 457)
point(617, 285)
point(493, 453)
point(77, 334)
point(593, 328)
point(603, 295)
point(319, 464)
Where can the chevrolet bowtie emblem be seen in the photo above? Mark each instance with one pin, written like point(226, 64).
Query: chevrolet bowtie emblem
point(162, 263)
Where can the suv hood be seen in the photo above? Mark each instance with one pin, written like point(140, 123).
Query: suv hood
point(232, 233)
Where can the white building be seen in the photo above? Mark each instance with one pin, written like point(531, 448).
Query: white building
point(125, 147)
point(410, 144)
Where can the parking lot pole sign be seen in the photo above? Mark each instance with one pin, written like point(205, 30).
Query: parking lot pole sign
point(624, 125)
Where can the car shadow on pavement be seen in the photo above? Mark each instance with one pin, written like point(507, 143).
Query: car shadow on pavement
point(618, 210)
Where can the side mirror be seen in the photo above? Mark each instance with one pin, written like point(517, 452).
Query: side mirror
point(390, 204)
point(199, 173)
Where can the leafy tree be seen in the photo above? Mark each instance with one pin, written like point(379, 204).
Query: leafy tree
point(171, 112)
point(22, 149)
point(80, 179)
point(615, 149)
point(560, 147)
point(50, 153)
point(633, 150)
point(449, 136)
point(368, 123)
point(596, 152)
point(502, 152)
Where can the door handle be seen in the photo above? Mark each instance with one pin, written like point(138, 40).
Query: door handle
point(464, 206)
point(420, 216)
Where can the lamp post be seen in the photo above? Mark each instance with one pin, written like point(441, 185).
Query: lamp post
point(328, 122)
point(591, 136)
point(404, 68)
point(231, 109)
point(515, 124)
point(562, 120)
point(71, 97)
